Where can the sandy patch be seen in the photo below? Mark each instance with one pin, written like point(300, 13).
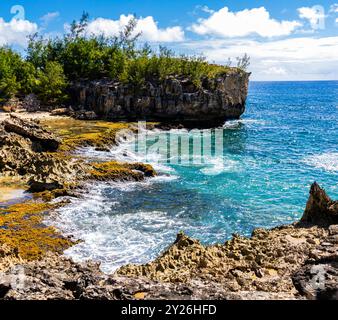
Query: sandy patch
point(31, 116)
point(11, 189)
point(8, 194)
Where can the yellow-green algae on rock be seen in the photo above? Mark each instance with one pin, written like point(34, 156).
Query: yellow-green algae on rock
point(121, 171)
point(80, 133)
point(22, 228)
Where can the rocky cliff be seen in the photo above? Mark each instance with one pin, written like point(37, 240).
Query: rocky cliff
point(176, 99)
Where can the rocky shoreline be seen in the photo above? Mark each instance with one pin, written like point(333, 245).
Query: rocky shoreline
point(299, 261)
point(295, 262)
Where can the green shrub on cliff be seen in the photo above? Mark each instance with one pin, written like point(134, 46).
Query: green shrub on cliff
point(149, 65)
point(85, 56)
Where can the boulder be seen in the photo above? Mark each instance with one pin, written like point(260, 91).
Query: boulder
point(85, 115)
point(31, 103)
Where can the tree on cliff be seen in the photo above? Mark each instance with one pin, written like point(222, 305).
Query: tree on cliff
point(51, 84)
point(51, 64)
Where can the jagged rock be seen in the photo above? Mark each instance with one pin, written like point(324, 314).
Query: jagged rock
point(50, 172)
point(8, 257)
point(174, 99)
point(56, 277)
point(273, 264)
point(43, 139)
point(19, 155)
point(14, 152)
point(282, 263)
point(320, 209)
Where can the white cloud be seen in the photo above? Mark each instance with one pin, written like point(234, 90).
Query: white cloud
point(225, 23)
point(275, 71)
point(315, 15)
point(15, 32)
point(305, 58)
point(147, 26)
point(50, 16)
point(334, 8)
point(205, 9)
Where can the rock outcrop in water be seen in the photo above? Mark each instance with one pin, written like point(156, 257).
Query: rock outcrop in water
point(320, 209)
point(175, 99)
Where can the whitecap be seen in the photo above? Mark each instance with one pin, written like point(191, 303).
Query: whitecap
point(234, 124)
point(217, 166)
point(327, 161)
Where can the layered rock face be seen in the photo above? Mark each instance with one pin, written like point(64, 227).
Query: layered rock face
point(172, 100)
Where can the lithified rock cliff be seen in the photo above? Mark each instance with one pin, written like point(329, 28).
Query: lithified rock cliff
point(175, 99)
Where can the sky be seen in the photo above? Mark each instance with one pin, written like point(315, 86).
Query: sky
point(286, 40)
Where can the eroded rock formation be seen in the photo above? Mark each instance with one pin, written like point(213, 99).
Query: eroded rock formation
point(299, 261)
point(174, 99)
point(29, 151)
point(320, 209)
point(41, 139)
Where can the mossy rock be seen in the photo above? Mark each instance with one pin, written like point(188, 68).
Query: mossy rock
point(22, 228)
point(121, 171)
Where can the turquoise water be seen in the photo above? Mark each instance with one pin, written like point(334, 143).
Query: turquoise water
point(287, 139)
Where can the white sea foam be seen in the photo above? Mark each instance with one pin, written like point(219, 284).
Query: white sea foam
point(110, 237)
point(234, 124)
point(327, 161)
point(217, 166)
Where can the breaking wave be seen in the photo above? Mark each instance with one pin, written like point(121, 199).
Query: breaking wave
point(326, 161)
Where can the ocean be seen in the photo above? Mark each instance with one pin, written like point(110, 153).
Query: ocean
point(255, 172)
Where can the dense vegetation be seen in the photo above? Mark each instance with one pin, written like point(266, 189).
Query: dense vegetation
point(50, 65)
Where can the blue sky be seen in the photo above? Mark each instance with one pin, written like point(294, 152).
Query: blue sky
point(287, 40)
